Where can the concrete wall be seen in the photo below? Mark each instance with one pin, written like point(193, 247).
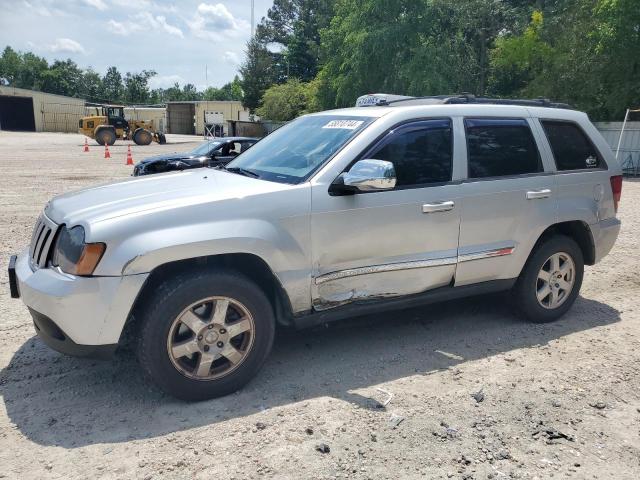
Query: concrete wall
point(52, 113)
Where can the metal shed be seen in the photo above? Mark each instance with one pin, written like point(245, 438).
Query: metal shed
point(190, 118)
point(29, 110)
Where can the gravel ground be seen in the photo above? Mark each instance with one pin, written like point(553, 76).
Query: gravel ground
point(459, 390)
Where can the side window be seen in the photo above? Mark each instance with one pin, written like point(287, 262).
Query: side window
point(571, 148)
point(421, 152)
point(499, 147)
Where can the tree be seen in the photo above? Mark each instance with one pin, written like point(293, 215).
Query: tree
point(257, 74)
point(63, 77)
point(288, 100)
point(32, 68)
point(112, 85)
point(10, 64)
point(294, 27)
point(136, 86)
point(91, 86)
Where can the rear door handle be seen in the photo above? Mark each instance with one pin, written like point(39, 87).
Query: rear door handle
point(534, 194)
point(438, 207)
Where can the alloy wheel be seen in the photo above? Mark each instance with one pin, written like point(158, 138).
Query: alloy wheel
point(211, 338)
point(555, 280)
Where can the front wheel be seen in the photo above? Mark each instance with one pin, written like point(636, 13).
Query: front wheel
point(142, 137)
point(205, 334)
point(551, 280)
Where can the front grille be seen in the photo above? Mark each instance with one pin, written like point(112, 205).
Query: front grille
point(41, 241)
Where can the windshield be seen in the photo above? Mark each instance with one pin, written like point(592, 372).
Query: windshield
point(204, 148)
point(293, 152)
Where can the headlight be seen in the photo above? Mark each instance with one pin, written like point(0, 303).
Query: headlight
point(75, 257)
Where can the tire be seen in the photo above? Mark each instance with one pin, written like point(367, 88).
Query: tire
point(529, 286)
point(162, 139)
point(105, 135)
point(161, 332)
point(142, 137)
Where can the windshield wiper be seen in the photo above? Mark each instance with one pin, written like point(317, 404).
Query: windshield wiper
point(241, 171)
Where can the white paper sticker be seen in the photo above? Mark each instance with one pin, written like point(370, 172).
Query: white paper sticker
point(347, 124)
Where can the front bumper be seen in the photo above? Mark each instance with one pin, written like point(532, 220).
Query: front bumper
point(89, 311)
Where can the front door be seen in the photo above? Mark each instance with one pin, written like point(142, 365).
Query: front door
point(390, 243)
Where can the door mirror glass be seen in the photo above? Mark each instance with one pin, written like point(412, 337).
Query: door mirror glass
point(370, 175)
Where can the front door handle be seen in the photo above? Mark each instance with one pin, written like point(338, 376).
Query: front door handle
point(438, 207)
point(534, 194)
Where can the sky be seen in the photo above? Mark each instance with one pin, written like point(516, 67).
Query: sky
point(176, 38)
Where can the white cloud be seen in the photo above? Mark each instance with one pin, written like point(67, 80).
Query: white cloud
point(99, 4)
point(165, 81)
point(214, 22)
point(117, 27)
point(44, 8)
point(143, 21)
point(66, 45)
point(231, 57)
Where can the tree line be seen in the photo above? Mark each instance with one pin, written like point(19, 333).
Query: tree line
point(319, 54)
point(65, 77)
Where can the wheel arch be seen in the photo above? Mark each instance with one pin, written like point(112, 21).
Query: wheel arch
point(250, 265)
point(577, 230)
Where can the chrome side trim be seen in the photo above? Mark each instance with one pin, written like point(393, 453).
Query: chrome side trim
point(390, 267)
point(393, 267)
point(497, 252)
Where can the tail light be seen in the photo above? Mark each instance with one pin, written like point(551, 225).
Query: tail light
point(616, 189)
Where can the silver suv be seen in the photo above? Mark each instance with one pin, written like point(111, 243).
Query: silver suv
point(397, 202)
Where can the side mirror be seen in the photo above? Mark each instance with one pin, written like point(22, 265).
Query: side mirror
point(368, 175)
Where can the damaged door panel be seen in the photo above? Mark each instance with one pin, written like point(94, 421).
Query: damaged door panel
point(396, 242)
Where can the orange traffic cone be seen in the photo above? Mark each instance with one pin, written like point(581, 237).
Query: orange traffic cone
point(86, 145)
point(106, 151)
point(129, 157)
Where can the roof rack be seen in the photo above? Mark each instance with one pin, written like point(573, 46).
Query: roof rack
point(383, 99)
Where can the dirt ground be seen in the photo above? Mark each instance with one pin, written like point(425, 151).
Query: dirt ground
point(556, 401)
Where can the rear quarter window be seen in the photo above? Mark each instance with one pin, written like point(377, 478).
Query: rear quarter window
point(571, 148)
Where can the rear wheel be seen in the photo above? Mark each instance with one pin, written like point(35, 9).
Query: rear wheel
point(551, 280)
point(205, 334)
point(106, 136)
point(142, 137)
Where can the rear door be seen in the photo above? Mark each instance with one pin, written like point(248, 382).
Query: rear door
point(508, 198)
point(584, 190)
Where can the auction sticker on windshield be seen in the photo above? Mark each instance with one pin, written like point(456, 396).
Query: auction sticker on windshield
point(348, 124)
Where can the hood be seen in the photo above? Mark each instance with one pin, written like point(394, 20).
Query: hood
point(154, 192)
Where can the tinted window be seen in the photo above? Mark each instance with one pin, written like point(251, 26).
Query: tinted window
point(500, 147)
point(571, 148)
point(421, 152)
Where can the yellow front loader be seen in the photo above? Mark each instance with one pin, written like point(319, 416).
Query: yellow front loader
point(109, 124)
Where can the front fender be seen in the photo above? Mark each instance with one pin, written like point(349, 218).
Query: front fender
point(281, 246)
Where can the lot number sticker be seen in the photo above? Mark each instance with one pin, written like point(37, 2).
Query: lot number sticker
point(347, 124)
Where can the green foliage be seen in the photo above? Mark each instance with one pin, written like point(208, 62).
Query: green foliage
point(257, 74)
point(288, 100)
point(286, 46)
point(229, 91)
point(113, 88)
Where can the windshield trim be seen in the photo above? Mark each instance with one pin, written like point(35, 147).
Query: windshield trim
point(264, 175)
